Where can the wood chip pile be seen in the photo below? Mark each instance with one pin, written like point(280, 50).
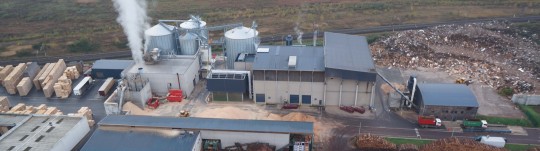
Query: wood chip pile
point(456, 144)
point(24, 86)
point(11, 81)
point(62, 88)
point(372, 142)
point(407, 147)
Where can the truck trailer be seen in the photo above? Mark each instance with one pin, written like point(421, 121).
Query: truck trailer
point(474, 123)
point(82, 86)
point(429, 121)
point(498, 142)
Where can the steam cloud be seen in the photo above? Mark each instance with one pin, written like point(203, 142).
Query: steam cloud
point(132, 16)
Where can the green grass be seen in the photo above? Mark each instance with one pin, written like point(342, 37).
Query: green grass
point(417, 142)
point(518, 147)
point(506, 121)
point(533, 116)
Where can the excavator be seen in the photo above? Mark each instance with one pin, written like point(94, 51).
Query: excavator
point(183, 113)
point(463, 81)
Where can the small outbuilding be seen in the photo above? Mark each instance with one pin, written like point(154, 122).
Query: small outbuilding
point(445, 101)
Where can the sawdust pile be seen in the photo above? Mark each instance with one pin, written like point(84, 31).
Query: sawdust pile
point(456, 144)
point(490, 53)
point(387, 88)
point(372, 142)
point(135, 110)
point(407, 147)
point(228, 112)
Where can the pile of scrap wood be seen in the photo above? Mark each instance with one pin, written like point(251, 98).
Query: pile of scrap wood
point(372, 142)
point(407, 147)
point(11, 81)
point(42, 109)
point(62, 88)
point(24, 86)
point(49, 76)
point(85, 112)
point(5, 71)
point(456, 144)
point(72, 73)
point(4, 104)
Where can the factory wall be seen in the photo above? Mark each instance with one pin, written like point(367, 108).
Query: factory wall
point(197, 146)
point(190, 78)
point(161, 82)
point(351, 92)
point(243, 66)
point(228, 138)
point(279, 91)
point(449, 112)
point(73, 136)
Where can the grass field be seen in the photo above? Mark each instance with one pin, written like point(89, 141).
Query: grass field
point(506, 121)
point(420, 142)
point(60, 23)
point(533, 113)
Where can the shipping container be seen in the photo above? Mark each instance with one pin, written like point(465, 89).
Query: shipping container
point(84, 85)
point(475, 123)
point(106, 87)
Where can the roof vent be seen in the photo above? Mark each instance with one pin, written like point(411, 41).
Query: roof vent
point(292, 61)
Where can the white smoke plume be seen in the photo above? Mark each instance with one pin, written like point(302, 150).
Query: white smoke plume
point(299, 33)
point(132, 16)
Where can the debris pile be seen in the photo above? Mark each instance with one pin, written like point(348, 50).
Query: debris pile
point(372, 142)
point(483, 52)
point(251, 147)
point(456, 144)
point(407, 147)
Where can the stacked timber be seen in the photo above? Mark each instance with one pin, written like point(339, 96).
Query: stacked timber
point(24, 86)
point(50, 77)
point(62, 88)
point(13, 79)
point(72, 73)
point(35, 80)
point(78, 65)
point(85, 112)
point(5, 71)
point(4, 104)
point(32, 69)
point(42, 109)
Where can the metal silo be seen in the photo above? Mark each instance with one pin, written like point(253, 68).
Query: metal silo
point(239, 40)
point(194, 24)
point(188, 44)
point(161, 37)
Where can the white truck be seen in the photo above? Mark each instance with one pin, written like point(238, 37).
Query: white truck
point(498, 142)
point(84, 85)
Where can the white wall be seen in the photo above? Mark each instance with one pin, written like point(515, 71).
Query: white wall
point(198, 143)
point(229, 138)
point(275, 92)
point(73, 136)
point(350, 94)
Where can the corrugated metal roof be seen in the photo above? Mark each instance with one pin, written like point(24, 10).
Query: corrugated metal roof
point(133, 140)
point(307, 58)
point(159, 30)
point(241, 33)
point(265, 126)
point(443, 94)
point(112, 64)
point(191, 24)
point(347, 52)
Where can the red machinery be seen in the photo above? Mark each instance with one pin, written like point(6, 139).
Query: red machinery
point(429, 121)
point(153, 103)
point(290, 106)
point(175, 95)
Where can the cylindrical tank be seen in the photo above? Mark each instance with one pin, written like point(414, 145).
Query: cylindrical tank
point(239, 40)
point(188, 44)
point(161, 37)
point(192, 24)
point(288, 40)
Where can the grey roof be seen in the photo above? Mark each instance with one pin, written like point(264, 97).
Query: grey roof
point(347, 52)
point(112, 64)
point(442, 94)
point(307, 58)
point(12, 119)
point(132, 139)
point(210, 124)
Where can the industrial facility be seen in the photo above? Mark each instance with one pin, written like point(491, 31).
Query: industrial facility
point(445, 101)
point(127, 132)
point(35, 132)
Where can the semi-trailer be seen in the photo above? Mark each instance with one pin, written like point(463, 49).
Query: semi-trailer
point(429, 121)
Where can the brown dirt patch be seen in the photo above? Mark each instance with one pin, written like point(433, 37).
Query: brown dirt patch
point(387, 88)
point(12, 50)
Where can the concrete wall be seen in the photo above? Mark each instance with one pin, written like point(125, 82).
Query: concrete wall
point(139, 97)
point(73, 136)
point(279, 91)
point(229, 138)
point(111, 104)
point(243, 66)
point(351, 92)
point(186, 81)
point(449, 112)
point(526, 99)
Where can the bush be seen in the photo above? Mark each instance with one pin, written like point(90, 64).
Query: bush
point(506, 91)
point(83, 45)
point(533, 116)
point(24, 53)
point(506, 121)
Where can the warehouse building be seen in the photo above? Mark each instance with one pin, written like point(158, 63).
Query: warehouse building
point(31, 132)
point(103, 69)
point(227, 85)
point(127, 132)
point(340, 73)
point(445, 101)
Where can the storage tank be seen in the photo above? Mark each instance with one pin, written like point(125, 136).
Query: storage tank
point(161, 37)
point(239, 40)
point(193, 24)
point(188, 44)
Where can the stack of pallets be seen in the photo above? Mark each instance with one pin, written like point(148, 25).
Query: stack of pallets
point(72, 72)
point(63, 87)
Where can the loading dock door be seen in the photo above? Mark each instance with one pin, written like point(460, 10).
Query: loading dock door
point(295, 99)
point(259, 98)
point(306, 99)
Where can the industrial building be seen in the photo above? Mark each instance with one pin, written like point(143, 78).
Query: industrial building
point(445, 101)
point(127, 132)
point(33, 132)
point(103, 69)
point(340, 73)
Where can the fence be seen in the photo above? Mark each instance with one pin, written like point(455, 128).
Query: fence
point(526, 99)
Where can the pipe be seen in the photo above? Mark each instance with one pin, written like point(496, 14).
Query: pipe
point(356, 94)
point(178, 78)
point(324, 94)
point(340, 89)
point(372, 96)
point(412, 92)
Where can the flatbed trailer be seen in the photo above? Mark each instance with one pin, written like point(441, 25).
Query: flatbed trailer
point(489, 129)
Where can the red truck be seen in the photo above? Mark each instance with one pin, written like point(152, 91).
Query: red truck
point(429, 121)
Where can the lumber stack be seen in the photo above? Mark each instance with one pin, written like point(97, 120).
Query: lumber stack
point(4, 104)
point(72, 72)
point(5, 71)
point(52, 77)
point(24, 86)
point(42, 109)
point(85, 112)
point(35, 80)
point(32, 69)
point(11, 81)
point(62, 88)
